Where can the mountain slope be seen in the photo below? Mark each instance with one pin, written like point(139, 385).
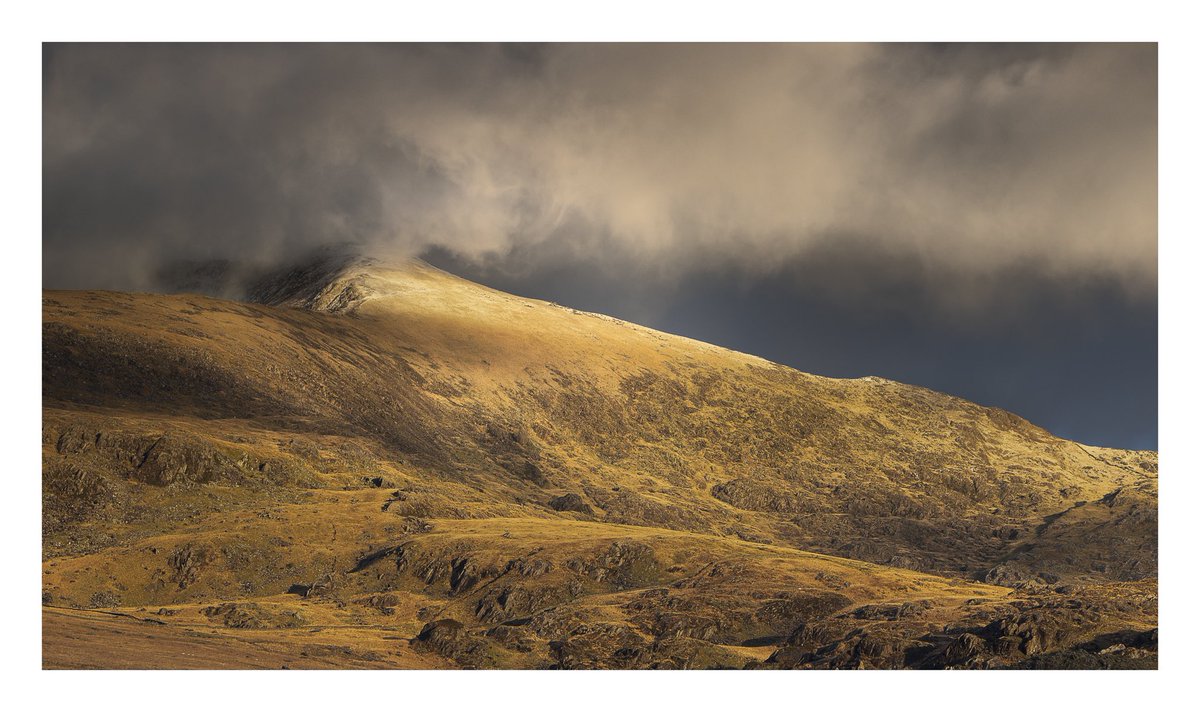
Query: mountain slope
point(396, 394)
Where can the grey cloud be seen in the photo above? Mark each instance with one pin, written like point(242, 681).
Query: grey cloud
point(977, 157)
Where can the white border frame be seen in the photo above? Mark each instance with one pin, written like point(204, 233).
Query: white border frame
point(27, 25)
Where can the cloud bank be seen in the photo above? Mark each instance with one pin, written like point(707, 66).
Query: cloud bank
point(674, 158)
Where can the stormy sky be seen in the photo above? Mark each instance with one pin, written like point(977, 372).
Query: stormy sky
point(978, 219)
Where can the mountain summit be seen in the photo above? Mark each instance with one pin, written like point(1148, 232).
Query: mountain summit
point(382, 447)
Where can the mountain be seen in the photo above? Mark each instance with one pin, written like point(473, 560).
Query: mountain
point(371, 463)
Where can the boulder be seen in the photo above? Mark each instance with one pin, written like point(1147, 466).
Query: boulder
point(570, 503)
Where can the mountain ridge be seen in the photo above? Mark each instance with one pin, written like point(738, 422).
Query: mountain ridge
point(483, 409)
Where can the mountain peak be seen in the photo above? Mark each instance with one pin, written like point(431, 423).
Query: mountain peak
point(322, 281)
point(332, 278)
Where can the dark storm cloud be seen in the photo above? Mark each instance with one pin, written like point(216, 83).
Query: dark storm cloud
point(977, 156)
point(960, 216)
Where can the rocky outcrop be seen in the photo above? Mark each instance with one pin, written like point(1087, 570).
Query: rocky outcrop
point(252, 615)
point(451, 639)
point(570, 502)
point(623, 565)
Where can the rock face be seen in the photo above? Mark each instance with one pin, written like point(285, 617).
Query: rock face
point(442, 635)
point(188, 562)
point(567, 489)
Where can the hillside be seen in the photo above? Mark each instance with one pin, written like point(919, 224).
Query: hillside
point(388, 462)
